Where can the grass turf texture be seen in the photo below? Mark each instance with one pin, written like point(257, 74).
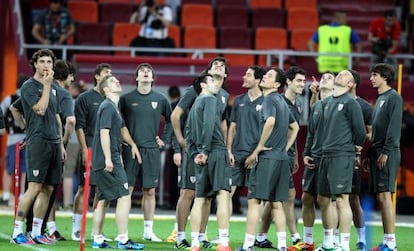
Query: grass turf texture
point(163, 228)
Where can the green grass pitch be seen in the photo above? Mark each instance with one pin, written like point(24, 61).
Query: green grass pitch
point(163, 227)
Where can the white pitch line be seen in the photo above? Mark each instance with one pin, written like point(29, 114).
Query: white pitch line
point(32, 247)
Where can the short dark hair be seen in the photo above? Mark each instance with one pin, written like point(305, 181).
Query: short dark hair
point(200, 79)
point(103, 84)
point(72, 68)
point(280, 77)
point(220, 59)
point(292, 71)
point(41, 53)
point(259, 71)
point(61, 70)
point(98, 69)
point(356, 76)
point(174, 92)
point(386, 71)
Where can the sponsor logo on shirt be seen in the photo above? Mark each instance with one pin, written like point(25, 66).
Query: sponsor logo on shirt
point(134, 104)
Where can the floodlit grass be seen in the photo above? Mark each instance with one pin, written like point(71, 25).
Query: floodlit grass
point(163, 228)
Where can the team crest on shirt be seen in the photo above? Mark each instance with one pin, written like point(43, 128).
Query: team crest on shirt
point(192, 179)
point(179, 179)
point(382, 103)
point(54, 92)
point(340, 107)
point(126, 185)
point(36, 173)
point(230, 181)
point(84, 175)
point(258, 108)
point(154, 105)
point(223, 99)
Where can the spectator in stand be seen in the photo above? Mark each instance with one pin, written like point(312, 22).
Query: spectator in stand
point(384, 35)
point(336, 37)
point(154, 19)
point(53, 26)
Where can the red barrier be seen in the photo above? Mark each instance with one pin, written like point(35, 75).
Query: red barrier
point(17, 179)
point(96, 58)
point(85, 198)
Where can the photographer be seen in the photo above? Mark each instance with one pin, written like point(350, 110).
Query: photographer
point(384, 35)
point(154, 20)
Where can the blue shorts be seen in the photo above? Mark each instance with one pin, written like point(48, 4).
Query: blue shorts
point(11, 159)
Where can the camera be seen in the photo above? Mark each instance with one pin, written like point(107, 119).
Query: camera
point(149, 3)
point(381, 46)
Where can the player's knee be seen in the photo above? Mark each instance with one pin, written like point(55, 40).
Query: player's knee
point(307, 200)
point(34, 189)
point(188, 194)
point(354, 201)
point(48, 189)
point(149, 192)
point(323, 202)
